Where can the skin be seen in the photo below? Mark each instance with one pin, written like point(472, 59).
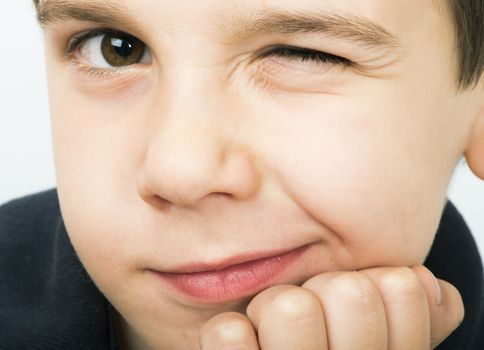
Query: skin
point(194, 158)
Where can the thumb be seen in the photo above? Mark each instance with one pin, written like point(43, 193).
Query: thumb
point(445, 305)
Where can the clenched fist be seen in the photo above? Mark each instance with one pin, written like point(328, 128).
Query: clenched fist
point(373, 309)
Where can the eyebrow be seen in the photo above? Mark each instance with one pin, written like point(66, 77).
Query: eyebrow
point(54, 11)
point(349, 27)
point(337, 25)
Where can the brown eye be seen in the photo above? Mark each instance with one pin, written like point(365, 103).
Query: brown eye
point(122, 50)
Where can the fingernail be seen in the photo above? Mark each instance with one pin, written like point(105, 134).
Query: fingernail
point(438, 291)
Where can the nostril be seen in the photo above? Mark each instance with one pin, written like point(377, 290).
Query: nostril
point(149, 195)
point(157, 202)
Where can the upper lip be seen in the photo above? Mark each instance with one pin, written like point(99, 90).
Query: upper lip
point(232, 261)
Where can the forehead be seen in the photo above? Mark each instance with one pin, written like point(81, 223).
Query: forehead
point(374, 8)
point(371, 20)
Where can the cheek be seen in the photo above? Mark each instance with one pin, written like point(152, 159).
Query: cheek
point(364, 175)
point(97, 141)
point(97, 149)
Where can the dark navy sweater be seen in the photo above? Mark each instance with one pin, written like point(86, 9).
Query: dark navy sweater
point(49, 302)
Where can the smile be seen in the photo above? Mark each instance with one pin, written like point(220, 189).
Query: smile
point(225, 282)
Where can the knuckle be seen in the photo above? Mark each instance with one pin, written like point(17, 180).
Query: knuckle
point(402, 283)
point(460, 315)
point(296, 304)
point(455, 306)
point(227, 329)
point(354, 288)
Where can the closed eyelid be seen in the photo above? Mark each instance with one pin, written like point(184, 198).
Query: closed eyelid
point(303, 54)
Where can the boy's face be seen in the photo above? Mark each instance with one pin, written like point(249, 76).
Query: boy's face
point(204, 151)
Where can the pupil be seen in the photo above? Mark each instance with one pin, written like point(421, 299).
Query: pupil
point(122, 47)
point(121, 50)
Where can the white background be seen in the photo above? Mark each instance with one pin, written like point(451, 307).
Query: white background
point(26, 162)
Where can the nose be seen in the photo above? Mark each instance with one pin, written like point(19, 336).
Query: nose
point(192, 154)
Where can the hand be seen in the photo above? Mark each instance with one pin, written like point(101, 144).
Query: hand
point(372, 309)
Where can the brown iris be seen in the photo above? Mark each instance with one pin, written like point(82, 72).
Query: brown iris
point(122, 50)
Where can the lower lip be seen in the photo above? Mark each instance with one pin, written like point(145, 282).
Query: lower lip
point(235, 281)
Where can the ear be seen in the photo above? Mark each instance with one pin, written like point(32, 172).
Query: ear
point(475, 148)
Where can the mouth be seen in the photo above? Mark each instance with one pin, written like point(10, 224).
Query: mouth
point(232, 279)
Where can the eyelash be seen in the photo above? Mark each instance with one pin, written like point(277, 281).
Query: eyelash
point(77, 40)
point(285, 51)
point(304, 54)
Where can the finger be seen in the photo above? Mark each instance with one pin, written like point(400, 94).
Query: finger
point(445, 305)
point(406, 307)
point(288, 318)
point(353, 310)
point(229, 330)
